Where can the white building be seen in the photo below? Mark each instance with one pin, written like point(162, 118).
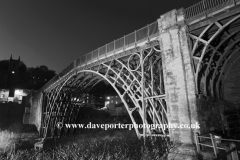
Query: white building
point(17, 97)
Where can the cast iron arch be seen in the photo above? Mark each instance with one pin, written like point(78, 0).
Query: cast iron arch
point(117, 72)
point(213, 49)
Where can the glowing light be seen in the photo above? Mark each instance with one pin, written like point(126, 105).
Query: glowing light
point(17, 92)
point(13, 72)
point(108, 97)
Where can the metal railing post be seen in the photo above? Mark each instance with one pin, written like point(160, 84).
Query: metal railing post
point(234, 154)
point(135, 36)
point(98, 54)
point(80, 61)
point(227, 148)
point(148, 30)
point(197, 142)
point(204, 8)
point(148, 38)
point(114, 45)
point(106, 50)
point(234, 2)
point(85, 59)
point(89, 56)
point(92, 57)
point(214, 144)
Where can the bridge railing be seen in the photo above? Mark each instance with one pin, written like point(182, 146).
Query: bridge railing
point(193, 12)
point(129, 40)
point(205, 7)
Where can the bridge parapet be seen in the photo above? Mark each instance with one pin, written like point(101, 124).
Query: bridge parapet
point(190, 15)
point(207, 8)
point(117, 46)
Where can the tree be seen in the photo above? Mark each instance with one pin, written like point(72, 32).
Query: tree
point(4, 64)
point(39, 76)
point(22, 67)
point(43, 68)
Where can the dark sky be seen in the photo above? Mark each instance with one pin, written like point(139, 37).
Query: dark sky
point(55, 32)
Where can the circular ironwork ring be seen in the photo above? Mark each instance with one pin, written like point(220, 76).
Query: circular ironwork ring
point(129, 60)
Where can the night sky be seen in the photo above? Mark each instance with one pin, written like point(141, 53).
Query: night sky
point(55, 32)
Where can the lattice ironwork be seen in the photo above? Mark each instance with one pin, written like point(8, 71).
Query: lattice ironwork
point(136, 74)
point(214, 48)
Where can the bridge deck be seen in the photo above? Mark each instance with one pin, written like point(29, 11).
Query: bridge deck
point(192, 15)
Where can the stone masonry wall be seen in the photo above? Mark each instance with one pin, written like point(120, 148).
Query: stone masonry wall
point(33, 109)
point(210, 111)
point(232, 84)
point(178, 75)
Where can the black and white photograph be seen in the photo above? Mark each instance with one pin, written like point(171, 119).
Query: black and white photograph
point(119, 80)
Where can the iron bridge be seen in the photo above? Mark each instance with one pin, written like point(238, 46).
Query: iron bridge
point(135, 66)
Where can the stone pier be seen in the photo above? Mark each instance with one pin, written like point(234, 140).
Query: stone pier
point(179, 81)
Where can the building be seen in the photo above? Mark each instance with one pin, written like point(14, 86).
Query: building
point(114, 105)
point(97, 102)
point(15, 95)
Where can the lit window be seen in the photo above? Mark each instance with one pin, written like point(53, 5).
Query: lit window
point(17, 92)
point(1, 96)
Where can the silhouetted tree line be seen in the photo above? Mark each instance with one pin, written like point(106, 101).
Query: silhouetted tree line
point(4, 66)
point(21, 76)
